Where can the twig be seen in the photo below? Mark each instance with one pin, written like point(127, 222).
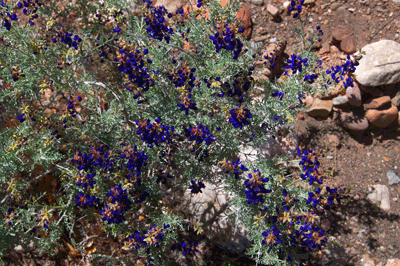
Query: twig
point(383, 27)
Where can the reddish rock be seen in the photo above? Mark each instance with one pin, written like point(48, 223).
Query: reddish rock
point(382, 118)
point(340, 32)
point(353, 122)
point(354, 95)
point(320, 108)
point(393, 262)
point(348, 45)
point(326, 48)
point(377, 103)
point(244, 15)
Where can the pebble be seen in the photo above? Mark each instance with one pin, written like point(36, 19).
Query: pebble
point(273, 40)
point(396, 36)
point(393, 178)
point(352, 9)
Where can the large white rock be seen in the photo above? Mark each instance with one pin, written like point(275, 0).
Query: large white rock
point(380, 65)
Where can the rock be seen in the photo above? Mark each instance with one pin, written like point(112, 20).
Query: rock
point(354, 95)
point(309, 2)
point(348, 45)
point(272, 10)
point(393, 178)
point(257, 2)
point(377, 103)
point(353, 122)
point(396, 99)
point(382, 118)
point(320, 108)
point(335, 5)
point(309, 101)
point(379, 194)
point(393, 262)
point(333, 139)
point(244, 15)
point(284, 7)
point(325, 225)
point(339, 100)
point(326, 48)
point(380, 65)
point(19, 249)
point(209, 208)
point(261, 38)
point(340, 32)
point(266, 72)
point(367, 261)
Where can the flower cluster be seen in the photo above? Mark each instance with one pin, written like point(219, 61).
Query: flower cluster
point(272, 237)
point(196, 188)
point(30, 9)
point(241, 83)
point(347, 68)
point(239, 115)
point(85, 200)
point(188, 248)
point(114, 211)
point(255, 188)
point(298, 7)
point(225, 38)
point(151, 237)
point(67, 38)
point(133, 65)
point(233, 166)
point(200, 134)
point(162, 177)
point(155, 133)
point(158, 27)
point(136, 160)
point(296, 64)
point(310, 165)
point(278, 94)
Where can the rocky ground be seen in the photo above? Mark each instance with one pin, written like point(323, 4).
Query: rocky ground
point(364, 233)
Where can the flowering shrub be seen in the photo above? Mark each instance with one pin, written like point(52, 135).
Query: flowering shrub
point(97, 136)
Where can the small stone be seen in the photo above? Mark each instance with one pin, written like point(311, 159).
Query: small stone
point(339, 100)
point(352, 10)
point(377, 103)
point(19, 249)
point(257, 2)
point(380, 9)
point(325, 48)
point(379, 194)
point(300, 116)
point(325, 225)
point(272, 10)
point(367, 261)
point(309, 2)
point(261, 38)
point(329, 157)
point(340, 32)
point(320, 108)
point(393, 178)
point(348, 45)
point(266, 72)
point(354, 95)
point(335, 5)
point(273, 40)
